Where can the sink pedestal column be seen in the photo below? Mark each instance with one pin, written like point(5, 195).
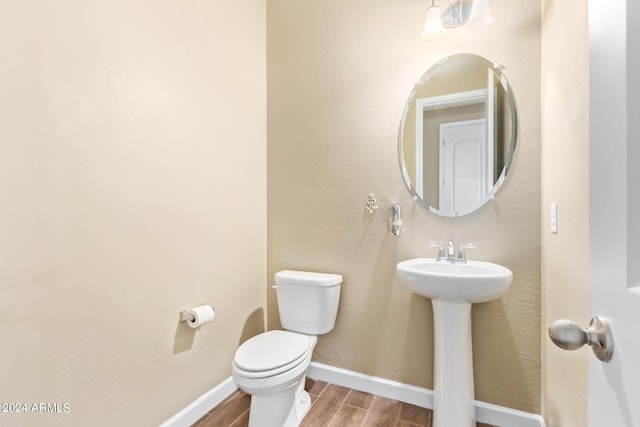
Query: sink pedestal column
point(453, 400)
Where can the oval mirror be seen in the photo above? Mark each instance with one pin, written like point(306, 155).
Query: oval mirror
point(458, 135)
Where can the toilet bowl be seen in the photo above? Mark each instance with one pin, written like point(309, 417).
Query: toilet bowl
point(272, 366)
point(277, 390)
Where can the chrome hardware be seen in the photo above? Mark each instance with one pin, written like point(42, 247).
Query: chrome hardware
point(451, 251)
point(185, 316)
point(441, 256)
point(569, 336)
point(451, 256)
point(461, 255)
point(371, 205)
point(395, 219)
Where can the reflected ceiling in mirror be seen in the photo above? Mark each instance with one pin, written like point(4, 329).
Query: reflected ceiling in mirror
point(458, 135)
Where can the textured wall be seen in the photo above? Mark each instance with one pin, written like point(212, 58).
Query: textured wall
point(565, 119)
point(131, 188)
point(339, 74)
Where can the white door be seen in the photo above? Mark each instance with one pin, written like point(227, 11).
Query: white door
point(463, 165)
point(614, 212)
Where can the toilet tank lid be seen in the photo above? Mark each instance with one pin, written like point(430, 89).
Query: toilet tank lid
point(308, 278)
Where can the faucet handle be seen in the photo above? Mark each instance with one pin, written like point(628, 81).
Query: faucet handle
point(441, 255)
point(461, 255)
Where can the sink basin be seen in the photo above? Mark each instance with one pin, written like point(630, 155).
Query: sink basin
point(472, 282)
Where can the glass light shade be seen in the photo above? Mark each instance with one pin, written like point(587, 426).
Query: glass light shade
point(480, 16)
point(433, 28)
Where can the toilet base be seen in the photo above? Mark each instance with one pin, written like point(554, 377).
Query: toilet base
point(285, 408)
point(277, 400)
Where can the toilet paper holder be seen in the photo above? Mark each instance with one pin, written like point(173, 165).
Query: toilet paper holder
point(198, 316)
point(185, 316)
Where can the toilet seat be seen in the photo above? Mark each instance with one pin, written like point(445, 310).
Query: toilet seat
point(271, 353)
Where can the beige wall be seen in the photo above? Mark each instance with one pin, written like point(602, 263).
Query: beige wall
point(565, 180)
point(131, 188)
point(339, 74)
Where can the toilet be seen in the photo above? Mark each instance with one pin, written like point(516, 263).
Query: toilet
point(272, 366)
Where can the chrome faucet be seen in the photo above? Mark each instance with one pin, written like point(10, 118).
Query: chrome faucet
point(451, 256)
point(451, 252)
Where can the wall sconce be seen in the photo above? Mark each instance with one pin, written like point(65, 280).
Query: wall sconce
point(472, 14)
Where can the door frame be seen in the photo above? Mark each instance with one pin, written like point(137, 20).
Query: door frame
point(458, 99)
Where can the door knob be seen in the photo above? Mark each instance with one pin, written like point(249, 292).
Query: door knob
point(569, 335)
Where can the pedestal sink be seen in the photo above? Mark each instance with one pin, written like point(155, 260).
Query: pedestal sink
point(453, 287)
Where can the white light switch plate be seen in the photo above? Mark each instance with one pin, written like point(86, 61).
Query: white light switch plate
point(554, 218)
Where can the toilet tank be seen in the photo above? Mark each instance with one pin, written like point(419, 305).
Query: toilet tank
point(307, 301)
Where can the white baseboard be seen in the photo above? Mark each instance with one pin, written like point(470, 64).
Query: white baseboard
point(485, 412)
point(379, 386)
point(192, 413)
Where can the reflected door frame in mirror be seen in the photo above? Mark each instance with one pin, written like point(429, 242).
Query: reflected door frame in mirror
point(461, 90)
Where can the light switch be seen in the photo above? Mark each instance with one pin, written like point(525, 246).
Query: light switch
point(554, 218)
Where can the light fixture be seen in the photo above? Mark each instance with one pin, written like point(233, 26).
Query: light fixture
point(472, 14)
point(480, 16)
point(433, 27)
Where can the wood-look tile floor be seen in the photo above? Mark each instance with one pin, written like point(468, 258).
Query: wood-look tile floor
point(332, 406)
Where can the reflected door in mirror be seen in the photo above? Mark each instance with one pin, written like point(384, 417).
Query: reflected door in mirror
point(463, 165)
